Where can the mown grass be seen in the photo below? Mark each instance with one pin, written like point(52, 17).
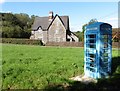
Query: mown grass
point(36, 67)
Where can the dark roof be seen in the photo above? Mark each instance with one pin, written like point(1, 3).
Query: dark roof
point(65, 20)
point(74, 34)
point(40, 21)
point(44, 22)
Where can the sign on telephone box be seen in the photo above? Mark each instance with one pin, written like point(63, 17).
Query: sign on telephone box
point(98, 50)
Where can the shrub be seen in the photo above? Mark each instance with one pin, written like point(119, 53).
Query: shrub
point(21, 41)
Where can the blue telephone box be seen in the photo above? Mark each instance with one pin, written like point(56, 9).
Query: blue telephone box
point(98, 50)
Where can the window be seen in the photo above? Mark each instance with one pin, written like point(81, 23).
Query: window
point(105, 54)
point(91, 57)
point(105, 38)
point(32, 32)
point(92, 46)
point(105, 45)
point(56, 31)
point(105, 59)
point(92, 36)
point(92, 41)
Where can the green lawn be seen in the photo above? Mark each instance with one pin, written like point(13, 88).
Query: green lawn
point(36, 67)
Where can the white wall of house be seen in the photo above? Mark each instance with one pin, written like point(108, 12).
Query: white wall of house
point(75, 37)
point(45, 37)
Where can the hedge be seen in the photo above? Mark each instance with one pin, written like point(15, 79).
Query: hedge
point(21, 41)
point(39, 42)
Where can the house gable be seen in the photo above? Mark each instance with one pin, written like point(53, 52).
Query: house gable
point(39, 33)
point(56, 30)
point(60, 20)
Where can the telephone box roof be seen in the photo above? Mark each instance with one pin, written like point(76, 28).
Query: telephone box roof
point(96, 25)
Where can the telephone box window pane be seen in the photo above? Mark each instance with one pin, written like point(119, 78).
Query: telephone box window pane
point(93, 70)
point(92, 41)
point(92, 57)
point(92, 64)
point(105, 45)
point(86, 36)
point(92, 36)
point(105, 38)
point(105, 54)
point(92, 60)
point(92, 46)
point(105, 59)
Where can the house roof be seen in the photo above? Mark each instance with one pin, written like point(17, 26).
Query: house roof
point(74, 34)
point(44, 22)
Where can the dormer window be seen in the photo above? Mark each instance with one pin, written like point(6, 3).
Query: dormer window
point(32, 32)
point(39, 29)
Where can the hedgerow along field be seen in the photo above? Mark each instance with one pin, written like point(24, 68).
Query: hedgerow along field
point(37, 67)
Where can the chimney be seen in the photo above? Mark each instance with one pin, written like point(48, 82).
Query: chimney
point(51, 15)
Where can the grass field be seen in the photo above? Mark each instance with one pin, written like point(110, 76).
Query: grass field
point(36, 67)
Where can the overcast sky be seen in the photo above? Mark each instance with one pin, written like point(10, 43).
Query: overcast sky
point(79, 12)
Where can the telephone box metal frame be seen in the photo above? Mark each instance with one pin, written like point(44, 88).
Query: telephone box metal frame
point(98, 50)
